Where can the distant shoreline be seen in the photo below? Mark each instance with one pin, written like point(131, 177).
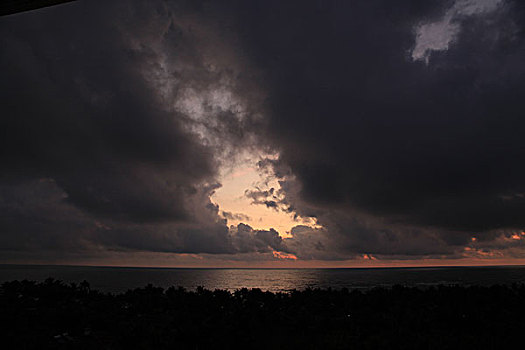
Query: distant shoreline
point(119, 279)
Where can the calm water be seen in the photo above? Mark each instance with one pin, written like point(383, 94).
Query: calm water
point(118, 279)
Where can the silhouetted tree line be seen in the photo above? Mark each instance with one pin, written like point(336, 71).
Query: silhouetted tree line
point(56, 315)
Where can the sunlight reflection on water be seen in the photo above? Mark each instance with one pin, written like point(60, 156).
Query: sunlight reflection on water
point(111, 279)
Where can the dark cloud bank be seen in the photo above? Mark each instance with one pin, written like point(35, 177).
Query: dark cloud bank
point(394, 157)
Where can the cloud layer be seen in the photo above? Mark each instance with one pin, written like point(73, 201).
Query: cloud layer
point(398, 126)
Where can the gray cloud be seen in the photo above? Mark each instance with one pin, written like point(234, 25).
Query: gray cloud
point(270, 198)
point(235, 216)
point(438, 35)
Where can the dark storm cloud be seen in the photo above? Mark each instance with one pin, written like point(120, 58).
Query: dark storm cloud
point(364, 127)
point(78, 111)
point(247, 240)
point(35, 217)
point(103, 145)
point(346, 236)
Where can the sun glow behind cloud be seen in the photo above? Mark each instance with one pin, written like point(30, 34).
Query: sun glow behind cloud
point(237, 208)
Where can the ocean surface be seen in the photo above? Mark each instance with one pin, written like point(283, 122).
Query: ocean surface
point(120, 279)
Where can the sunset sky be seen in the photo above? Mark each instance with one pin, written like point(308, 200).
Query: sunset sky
point(264, 133)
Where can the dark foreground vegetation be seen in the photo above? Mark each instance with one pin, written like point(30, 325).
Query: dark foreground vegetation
point(56, 315)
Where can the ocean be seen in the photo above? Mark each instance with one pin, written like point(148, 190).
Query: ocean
point(120, 279)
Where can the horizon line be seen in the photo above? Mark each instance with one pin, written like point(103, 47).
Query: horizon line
point(265, 268)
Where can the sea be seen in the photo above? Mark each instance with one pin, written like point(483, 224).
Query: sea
point(120, 279)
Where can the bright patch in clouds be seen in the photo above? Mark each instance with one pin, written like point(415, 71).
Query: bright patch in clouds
point(284, 256)
point(237, 208)
point(437, 36)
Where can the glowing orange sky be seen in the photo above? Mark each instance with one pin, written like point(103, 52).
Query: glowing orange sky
point(230, 197)
point(198, 261)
